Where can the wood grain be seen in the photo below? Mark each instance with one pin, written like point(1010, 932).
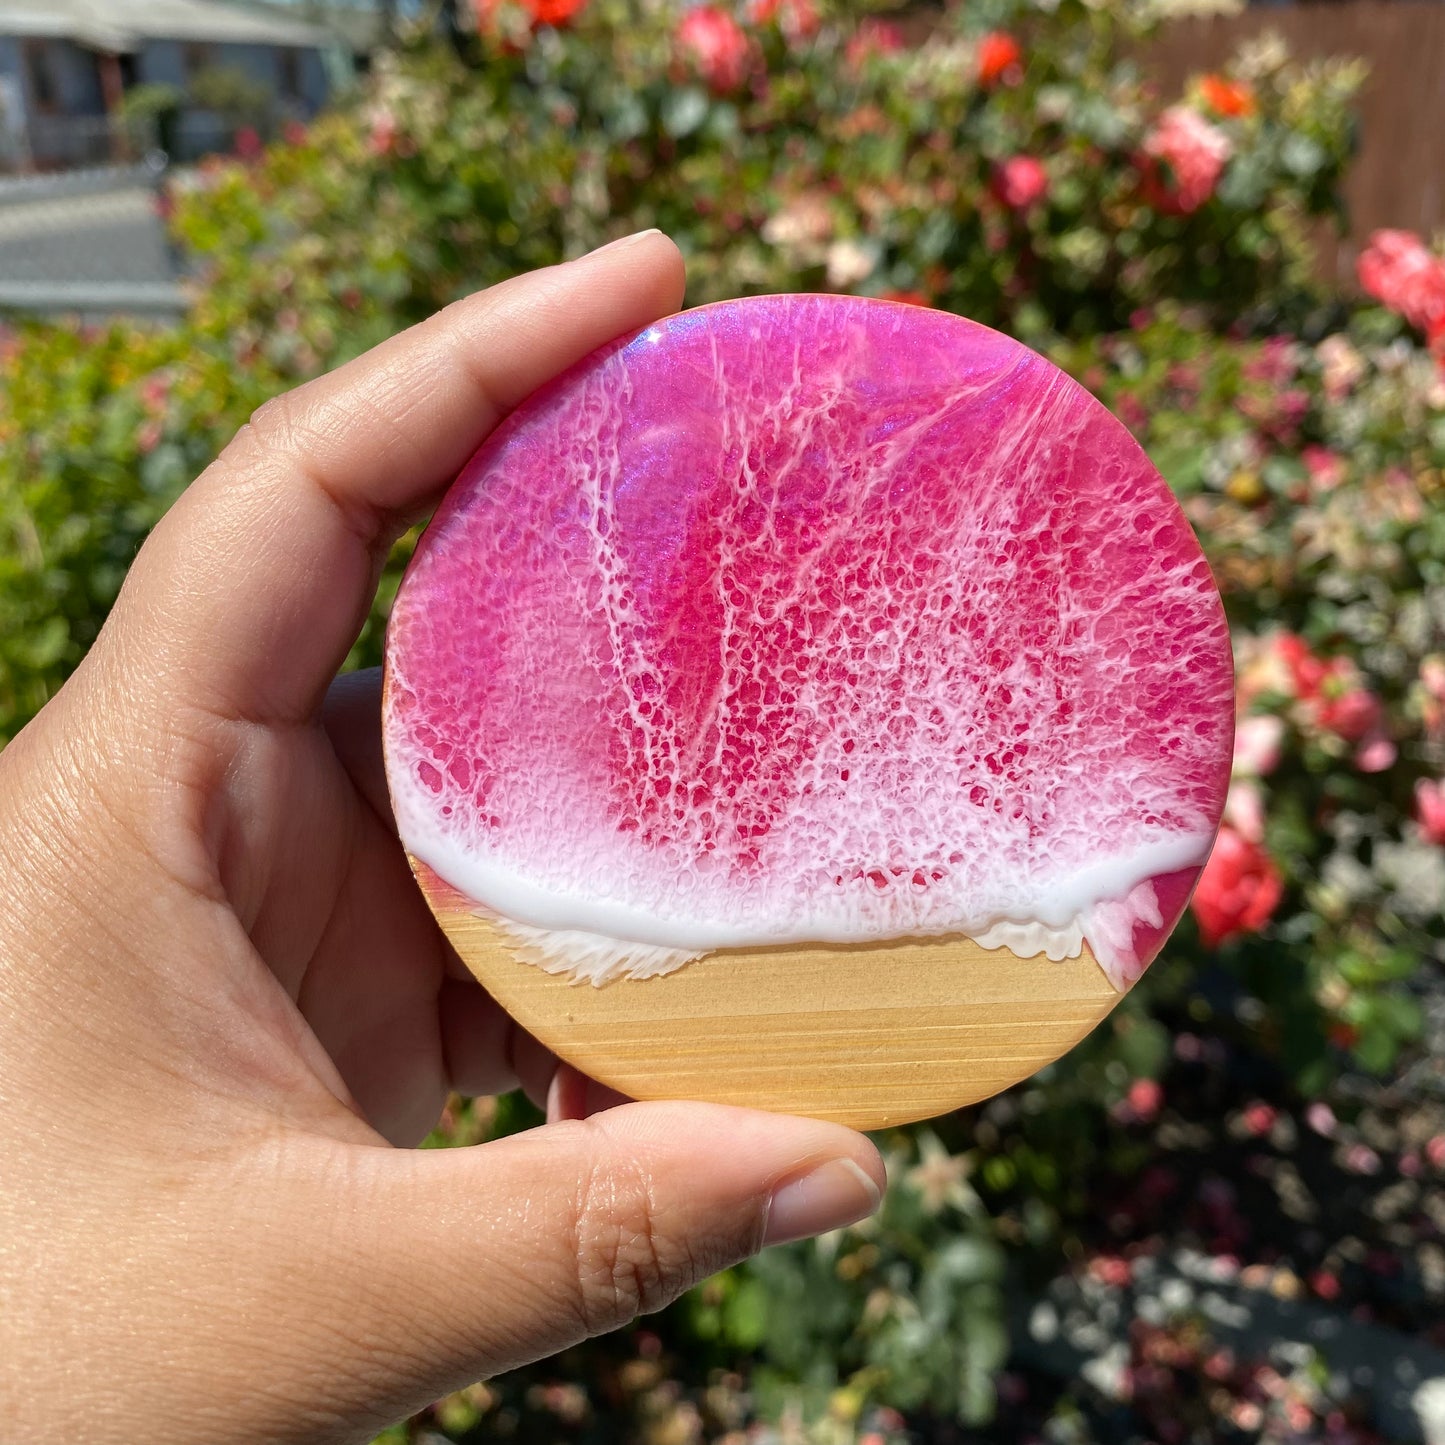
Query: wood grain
point(869, 1036)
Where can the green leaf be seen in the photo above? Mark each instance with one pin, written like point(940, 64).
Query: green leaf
point(745, 1315)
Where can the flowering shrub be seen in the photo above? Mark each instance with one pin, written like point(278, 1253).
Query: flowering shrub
point(1313, 473)
point(1026, 175)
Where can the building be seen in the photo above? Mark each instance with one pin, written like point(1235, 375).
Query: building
point(66, 67)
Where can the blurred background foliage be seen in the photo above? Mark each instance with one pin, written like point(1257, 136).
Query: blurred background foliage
point(1014, 163)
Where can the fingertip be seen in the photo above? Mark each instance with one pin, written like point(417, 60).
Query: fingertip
point(828, 1196)
point(651, 258)
point(805, 1176)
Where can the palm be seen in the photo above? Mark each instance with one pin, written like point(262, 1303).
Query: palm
point(322, 889)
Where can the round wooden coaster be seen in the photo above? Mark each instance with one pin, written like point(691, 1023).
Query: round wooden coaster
point(868, 1036)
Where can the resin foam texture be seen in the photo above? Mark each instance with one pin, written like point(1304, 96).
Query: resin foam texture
point(811, 619)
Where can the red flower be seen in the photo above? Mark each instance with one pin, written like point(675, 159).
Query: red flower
point(1397, 268)
point(999, 60)
point(1020, 181)
point(1227, 97)
point(1259, 1118)
point(873, 37)
point(294, 133)
point(1430, 809)
point(1195, 153)
point(248, 143)
point(1350, 712)
point(1238, 891)
point(1112, 1270)
point(1327, 469)
point(906, 298)
point(1145, 1098)
point(797, 19)
point(1306, 670)
point(555, 13)
point(715, 43)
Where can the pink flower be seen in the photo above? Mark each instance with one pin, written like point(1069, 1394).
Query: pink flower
point(1430, 809)
point(1146, 1098)
point(1238, 890)
point(1276, 362)
point(1257, 742)
point(1259, 1118)
point(1397, 269)
point(1112, 1270)
point(382, 140)
point(294, 133)
point(715, 44)
point(154, 391)
point(1332, 697)
point(873, 37)
point(248, 143)
point(1244, 809)
point(1348, 710)
point(1195, 153)
point(1020, 181)
point(1361, 1159)
point(1327, 469)
point(1376, 753)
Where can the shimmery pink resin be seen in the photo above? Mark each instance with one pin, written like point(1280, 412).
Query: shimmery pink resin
point(812, 618)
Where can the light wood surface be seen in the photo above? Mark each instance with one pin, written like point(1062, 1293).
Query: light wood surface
point(869, 1036)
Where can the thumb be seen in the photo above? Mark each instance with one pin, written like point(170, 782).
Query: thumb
point(478, 1260)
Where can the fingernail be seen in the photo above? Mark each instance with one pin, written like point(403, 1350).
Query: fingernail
point(830, 1196)
point(564, 1095)
point(621, 242)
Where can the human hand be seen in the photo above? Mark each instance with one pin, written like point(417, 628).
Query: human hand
point(223, 1001)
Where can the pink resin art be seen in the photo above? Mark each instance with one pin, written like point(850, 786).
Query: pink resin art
point(811, 619)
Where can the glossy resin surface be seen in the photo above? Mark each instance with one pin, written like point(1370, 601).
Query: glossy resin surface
point(811, 619)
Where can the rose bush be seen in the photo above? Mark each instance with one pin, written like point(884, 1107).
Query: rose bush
point(1015, 165)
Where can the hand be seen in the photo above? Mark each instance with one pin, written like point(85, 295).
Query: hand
point(223, 1001)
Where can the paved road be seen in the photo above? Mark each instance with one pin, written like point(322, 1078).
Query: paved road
point(104, 251)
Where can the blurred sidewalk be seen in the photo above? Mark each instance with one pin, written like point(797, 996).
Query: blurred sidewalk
point(91, 243)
